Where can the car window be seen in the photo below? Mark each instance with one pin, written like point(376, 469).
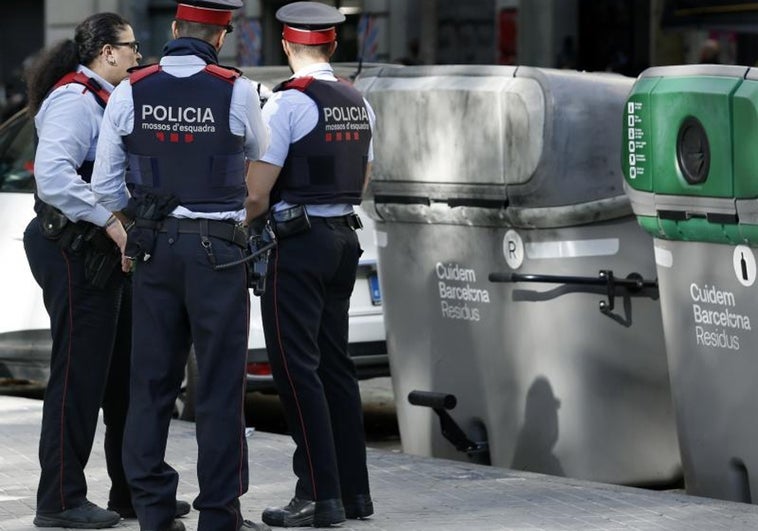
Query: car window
point(17, 154)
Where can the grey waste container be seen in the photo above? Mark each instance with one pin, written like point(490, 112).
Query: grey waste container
point(694, 189)
point(487, 169)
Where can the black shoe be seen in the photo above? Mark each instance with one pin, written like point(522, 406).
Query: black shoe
point(86, 516)
point(176, 525)
point(358, 507)
point(182, 508)
point(127, 512)
point(298, 513)
point(328, 512)
point(247, 525)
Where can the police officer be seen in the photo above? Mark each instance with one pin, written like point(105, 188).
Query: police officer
point(185, 127)
point(72, 250)
point(313, 173)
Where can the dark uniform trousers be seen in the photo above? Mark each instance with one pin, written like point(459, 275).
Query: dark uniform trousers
point(305, 319)
point(180, 300)
point(89, 366)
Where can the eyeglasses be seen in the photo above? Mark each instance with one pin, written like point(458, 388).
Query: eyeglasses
point(229, 28)
point(134, 45)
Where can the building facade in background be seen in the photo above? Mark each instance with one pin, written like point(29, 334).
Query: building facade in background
point(624, 36)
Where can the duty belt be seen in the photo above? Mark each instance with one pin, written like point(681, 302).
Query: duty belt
point(223, 230)
point(351, 220)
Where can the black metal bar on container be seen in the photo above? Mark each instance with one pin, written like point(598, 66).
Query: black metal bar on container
point(631, 282)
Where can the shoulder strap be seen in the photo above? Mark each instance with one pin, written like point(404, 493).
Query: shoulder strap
point(90, 84)
point(227, 73)
point(298, 83)
point(141, 72)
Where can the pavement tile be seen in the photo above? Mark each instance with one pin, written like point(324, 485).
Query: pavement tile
point(410, 492)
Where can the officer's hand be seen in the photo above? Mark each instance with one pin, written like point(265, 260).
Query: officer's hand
point(116, 232)
point(256, 225)
point(127, 264)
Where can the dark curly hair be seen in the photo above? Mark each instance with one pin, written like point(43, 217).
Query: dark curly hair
point(60, 59)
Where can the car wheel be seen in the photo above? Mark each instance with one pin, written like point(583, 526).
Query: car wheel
point(184, 409)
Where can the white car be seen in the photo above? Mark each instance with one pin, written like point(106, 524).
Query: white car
point(24, 324)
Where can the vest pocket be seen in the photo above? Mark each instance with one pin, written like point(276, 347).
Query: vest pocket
point(227, 170)
point(143, 171)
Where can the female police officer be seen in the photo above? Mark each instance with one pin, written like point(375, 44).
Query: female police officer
point(77, 266)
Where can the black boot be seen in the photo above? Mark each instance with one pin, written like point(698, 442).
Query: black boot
point(299, 512)
point(85, 516)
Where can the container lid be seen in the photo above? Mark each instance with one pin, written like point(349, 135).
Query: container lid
point(688, 154)
point(519, 137)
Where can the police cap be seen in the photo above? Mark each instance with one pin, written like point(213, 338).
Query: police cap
point(216, 12)
point(309, 22)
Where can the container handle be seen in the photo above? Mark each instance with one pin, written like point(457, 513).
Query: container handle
point(633, 283)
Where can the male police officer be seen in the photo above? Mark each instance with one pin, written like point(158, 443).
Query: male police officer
point(312, 175)
point(185, 128)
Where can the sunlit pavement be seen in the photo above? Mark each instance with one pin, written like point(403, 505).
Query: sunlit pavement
point(410, 493)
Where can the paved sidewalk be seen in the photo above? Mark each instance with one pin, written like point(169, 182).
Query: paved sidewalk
point(410, 493)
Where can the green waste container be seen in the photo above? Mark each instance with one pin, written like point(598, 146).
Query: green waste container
point(496, 169)
point(690, 163)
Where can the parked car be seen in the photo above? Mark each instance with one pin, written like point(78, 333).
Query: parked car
point(24, 324)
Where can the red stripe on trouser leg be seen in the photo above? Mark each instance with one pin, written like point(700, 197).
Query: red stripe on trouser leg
point(289, 379)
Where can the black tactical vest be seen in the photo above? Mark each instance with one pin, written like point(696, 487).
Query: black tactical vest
point(328, 165)
point(181, 143)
